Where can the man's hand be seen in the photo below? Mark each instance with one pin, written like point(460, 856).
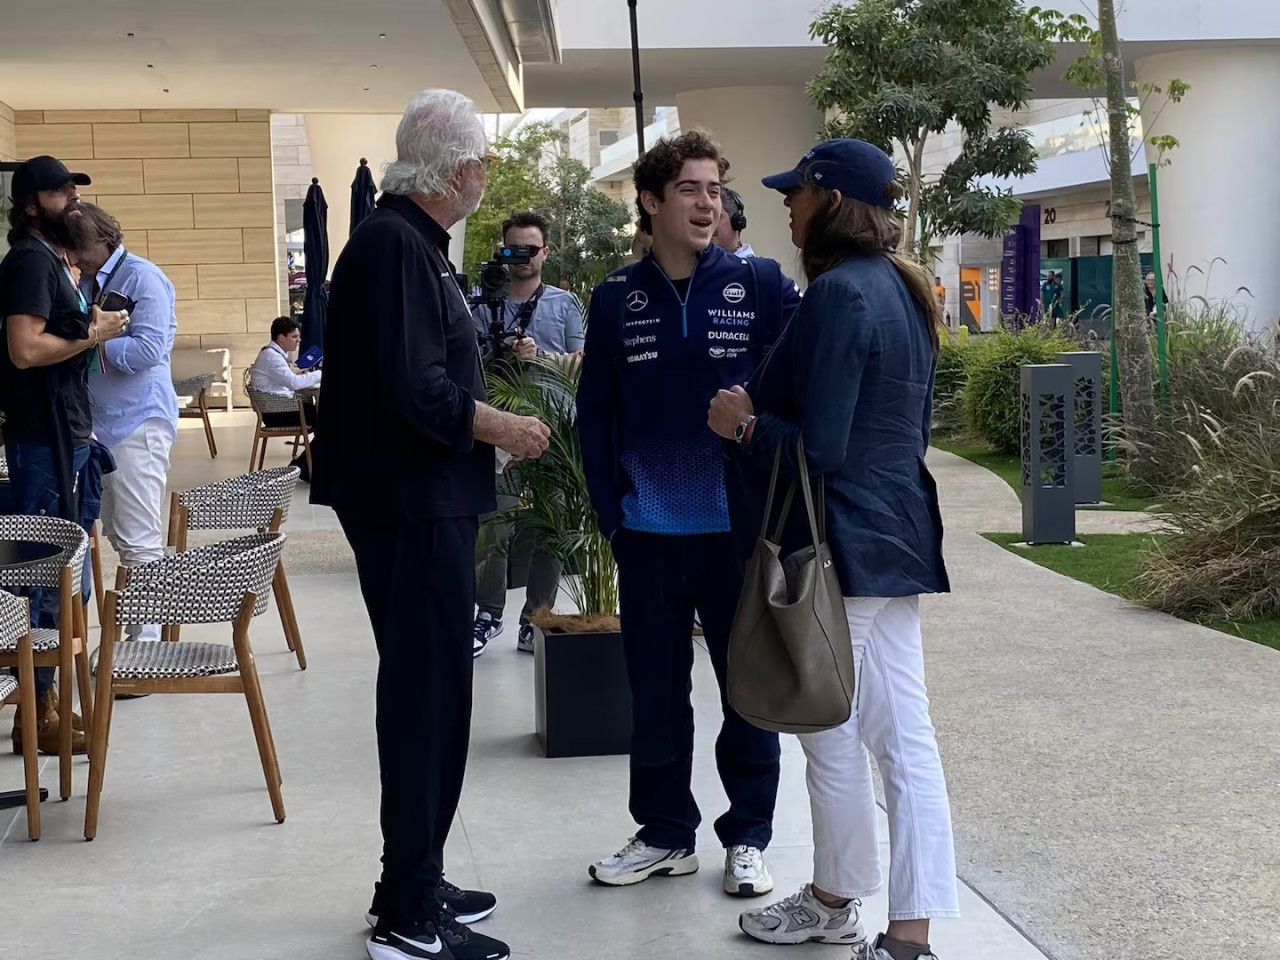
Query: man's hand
point(728, 409)
point(525, 438)
point(110, 324)
point(525, 348)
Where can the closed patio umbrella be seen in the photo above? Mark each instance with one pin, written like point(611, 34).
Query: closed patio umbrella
point(362, 194)
point(315, 247)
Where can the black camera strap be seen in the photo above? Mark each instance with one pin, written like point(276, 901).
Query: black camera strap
point(526, 310)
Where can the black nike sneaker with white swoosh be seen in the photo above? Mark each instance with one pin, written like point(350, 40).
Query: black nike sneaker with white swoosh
point(468, 906)
point(446, 939)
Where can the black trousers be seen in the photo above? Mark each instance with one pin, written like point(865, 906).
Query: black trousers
point(418, 581)
point(662, 580)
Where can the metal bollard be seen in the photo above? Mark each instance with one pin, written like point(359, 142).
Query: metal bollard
point(1087, 371)
point(1048, 464)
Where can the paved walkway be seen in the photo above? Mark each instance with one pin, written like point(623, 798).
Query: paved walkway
point(1113, 776)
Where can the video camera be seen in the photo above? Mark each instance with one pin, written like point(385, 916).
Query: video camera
point(495, 285)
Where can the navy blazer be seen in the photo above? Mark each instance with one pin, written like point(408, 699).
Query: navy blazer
point(853, 374)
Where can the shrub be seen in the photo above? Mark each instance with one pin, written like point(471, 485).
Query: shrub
point(948, 389)
point(991, 395)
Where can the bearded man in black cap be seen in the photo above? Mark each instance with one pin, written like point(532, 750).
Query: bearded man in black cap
point(47, 354)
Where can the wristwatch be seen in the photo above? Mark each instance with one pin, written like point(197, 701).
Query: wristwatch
point(740, 433)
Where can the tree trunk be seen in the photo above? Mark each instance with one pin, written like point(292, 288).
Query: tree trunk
point(915, 184)
point(1128, 311)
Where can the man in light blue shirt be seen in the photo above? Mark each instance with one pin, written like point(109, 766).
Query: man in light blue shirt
point(135, 411)
point(537, 320)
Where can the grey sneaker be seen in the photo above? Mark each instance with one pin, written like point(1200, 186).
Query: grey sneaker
point(524, 643)
point(637, 862)
point(803, 918)
point(868, 951)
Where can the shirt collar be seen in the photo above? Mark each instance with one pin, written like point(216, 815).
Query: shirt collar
point(744, 252)
point(105, 270)
point(422, 221)
point(279, 349)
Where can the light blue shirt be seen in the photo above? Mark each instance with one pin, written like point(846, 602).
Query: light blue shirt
point(136, 384)
point(556, 325)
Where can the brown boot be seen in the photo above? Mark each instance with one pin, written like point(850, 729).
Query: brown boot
point(47, 733)
point(51, 698)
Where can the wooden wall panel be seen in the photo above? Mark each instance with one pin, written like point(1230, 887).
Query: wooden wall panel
point(247, 280)
point(145, 140)
point(110, 176)
point(196, 246)
point(150, 212)
point(230, 139)
point(234, 210)
point(55, 139)
point(211, 316)
point(192, 176)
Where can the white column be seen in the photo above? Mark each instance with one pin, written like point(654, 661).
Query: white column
point(1220, 190)
point(763, 130)
point(337, 142)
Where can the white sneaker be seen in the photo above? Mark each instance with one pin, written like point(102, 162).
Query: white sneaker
point(803, 918)
point(745, 874)
point(869, 951)
point(486, 628)
point(637, 862)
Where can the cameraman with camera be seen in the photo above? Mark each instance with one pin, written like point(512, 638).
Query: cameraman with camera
point(526, 319)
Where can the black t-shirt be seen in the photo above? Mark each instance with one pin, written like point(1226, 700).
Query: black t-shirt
point(34, 282)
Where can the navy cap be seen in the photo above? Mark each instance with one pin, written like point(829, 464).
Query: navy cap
point(854, 167)
point(43, 173)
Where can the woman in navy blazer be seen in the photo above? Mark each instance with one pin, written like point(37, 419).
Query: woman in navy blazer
point(853, 377)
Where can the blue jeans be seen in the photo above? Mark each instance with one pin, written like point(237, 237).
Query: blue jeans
point(33, 484)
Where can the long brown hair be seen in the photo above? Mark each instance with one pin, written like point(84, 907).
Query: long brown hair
point(853, 228)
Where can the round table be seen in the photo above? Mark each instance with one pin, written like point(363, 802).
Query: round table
point(15, 554)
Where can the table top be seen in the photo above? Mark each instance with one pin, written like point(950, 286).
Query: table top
point(21, 553)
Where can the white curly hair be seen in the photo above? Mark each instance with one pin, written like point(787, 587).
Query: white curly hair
point(439, 134)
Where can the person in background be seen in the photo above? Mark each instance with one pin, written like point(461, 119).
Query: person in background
point(272, 372)
point(405, 456)
point(1051, 298)
point(51, 336)
point(852, 379)
point(135, 410)
point(664, 335)
point(540, 320)
point(729, 228)
point(1149, 292)
point(940, 293)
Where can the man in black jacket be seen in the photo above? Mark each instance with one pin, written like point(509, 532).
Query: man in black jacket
point(405, 456)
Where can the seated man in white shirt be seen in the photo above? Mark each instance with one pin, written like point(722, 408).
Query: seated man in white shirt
point(273, 373)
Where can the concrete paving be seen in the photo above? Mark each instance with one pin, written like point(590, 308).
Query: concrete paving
point(1112, 772)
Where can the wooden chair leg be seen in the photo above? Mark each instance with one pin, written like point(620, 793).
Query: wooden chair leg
point(66, 678)
point(102, 728)
point(208, 426)
point(30, 741)
point(262, 455)
point(258, 715)
point(306, 446)
point(95, 547)
point(83, 677)
point(288, 618)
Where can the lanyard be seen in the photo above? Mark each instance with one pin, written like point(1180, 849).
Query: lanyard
point(66, 268)
point(524, 312)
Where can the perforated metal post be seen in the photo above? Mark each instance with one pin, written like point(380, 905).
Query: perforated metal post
point(1048, 496)
point(1087, 370)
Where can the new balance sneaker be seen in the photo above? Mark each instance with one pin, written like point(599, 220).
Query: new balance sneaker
point(745, 874)
point(468, 906)
point(444, 940)
point(803, 918)
point(525, 642)
point(868, 951)
point(637, 862)
point(486, 629)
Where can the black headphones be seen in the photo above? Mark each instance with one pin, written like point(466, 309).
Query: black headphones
point(734, 206)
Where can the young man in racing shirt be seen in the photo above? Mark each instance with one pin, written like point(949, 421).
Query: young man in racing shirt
point(664, 335)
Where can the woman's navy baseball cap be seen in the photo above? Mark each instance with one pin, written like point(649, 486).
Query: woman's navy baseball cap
point(854, 167)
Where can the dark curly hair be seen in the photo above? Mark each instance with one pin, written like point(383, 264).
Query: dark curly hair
point(527, 218)
point(663, 162)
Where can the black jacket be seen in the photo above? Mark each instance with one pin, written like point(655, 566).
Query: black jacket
point(395, 423)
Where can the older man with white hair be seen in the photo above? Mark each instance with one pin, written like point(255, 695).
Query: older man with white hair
point(405, 456)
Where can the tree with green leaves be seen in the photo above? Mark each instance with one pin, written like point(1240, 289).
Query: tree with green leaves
point(1100, 72)
point(899, 72)
point(536, 173)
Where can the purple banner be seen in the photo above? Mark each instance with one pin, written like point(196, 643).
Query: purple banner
point(1020, 268)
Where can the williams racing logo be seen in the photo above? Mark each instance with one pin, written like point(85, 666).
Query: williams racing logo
point(732, 318)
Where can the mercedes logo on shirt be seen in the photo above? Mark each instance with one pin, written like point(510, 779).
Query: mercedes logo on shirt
point(637, 300)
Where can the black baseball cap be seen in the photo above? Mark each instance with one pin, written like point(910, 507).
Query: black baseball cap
point(854, 167)
point(43, 173)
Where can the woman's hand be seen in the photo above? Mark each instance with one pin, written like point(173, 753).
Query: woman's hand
point(728, 409)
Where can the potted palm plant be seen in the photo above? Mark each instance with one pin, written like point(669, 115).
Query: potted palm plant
point(581, 695)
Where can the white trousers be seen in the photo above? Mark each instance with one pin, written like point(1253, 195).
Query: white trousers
point(891, 720)
point(133, 501)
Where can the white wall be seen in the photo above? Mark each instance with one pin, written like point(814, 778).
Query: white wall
point(1153, 20)
point(686, 24)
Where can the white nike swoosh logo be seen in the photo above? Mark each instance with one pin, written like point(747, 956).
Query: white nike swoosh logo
point(434, 947)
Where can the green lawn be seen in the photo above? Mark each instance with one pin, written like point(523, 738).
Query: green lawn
point(1110, 562)
point(1008, 468)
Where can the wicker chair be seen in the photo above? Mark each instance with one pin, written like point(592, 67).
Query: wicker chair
point(265, 403)
point(197, 389)
point(256, 501)
point(15, 637)
point(65, 646)
point(220, 583)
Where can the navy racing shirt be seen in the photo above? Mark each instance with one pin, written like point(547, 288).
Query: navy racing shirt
point(656, 353)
